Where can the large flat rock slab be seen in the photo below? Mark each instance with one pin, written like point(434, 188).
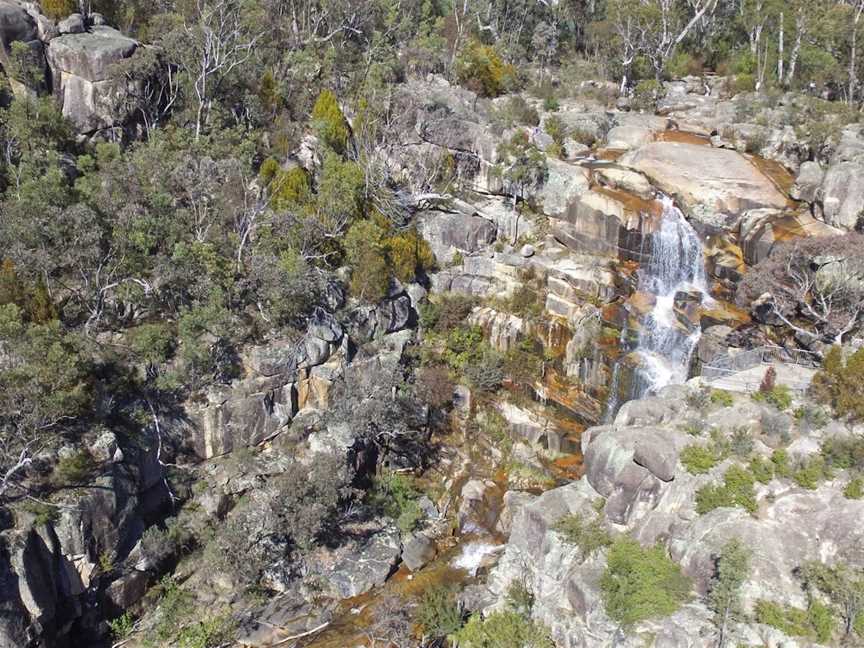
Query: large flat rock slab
point(705, 179)
point(90, 55)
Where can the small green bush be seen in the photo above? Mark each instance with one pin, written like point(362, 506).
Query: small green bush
point(485, 373)
point(408, 255)
point(175, 609)
point(698, 459)
point(761, 469)
point(122, 626)
point(844, 453)
point(481, 69)
point(722, 397)
point(854, 489)
point(780, 459)
point(329, 122)
point(588, 535)
point(76, 468)
point(780, 397)
point(210, 633)
point(816, 622)
point(464, 346)
point(646, 94)
point(507, 629)
point(366, 254)
point(556, 129)
point(737, 490)
point(699, 399)
point(395, 496)
point(57, 9)
point(439, 613)
point(641, 583)
point(550, 104)
point(810, 473)
point(813, 418)
point(42, 513)
point(741, 444)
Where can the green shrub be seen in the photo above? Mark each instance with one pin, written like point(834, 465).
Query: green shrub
point(780, 459)
point(395, 496)
point(520, 598)
point(812, 417)
point(523, 362)
point(683, 64)
point(810, 473)
point(821, 620)
point(761, 469)
point(844, 453)
point(485, 372)
point(408, 255)
point(506, 629)
point(438, 612)
point(287, 190)
point(646, 94)
point(584, 136)
point(175, 609)
point(159, 544)
point(210, 633)
point(329, 122)
point(699, 399)
point(464, 346)
point(42, 513)
point(854, 489)
point(588, 535)
point(57, 9)
point(775, 424)
point(481, 69)
point(76, 468)
point(556, 129)
point(722, 397)
point(816, 622)
point(641, 583)
point(779, 396)
point(122, 626)
point(366, 254)
point(840, 383)
point(737, 490)
point(743, 83)
point(741, 444)
point(698, 459)
point(550, 104)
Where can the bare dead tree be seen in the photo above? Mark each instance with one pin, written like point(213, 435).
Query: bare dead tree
point(212, 48)
point(813, 286)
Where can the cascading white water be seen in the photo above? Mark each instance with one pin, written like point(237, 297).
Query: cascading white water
point(675, 265)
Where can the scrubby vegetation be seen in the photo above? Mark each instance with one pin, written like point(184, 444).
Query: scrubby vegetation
point(588, 535)
point(736, 490)
point(641, 583)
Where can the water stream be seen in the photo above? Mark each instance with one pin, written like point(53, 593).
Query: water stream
point(664, 346)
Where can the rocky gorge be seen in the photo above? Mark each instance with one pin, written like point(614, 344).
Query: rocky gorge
point(610, 278)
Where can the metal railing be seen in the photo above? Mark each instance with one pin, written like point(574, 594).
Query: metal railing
point(728, 365)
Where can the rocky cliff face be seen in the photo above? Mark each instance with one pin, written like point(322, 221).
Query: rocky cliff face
point(633, 468)
point(78, 58)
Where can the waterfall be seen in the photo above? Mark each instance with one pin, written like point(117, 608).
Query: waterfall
point(675, 265)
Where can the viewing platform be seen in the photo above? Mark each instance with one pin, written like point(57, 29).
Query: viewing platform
point(744, 371)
